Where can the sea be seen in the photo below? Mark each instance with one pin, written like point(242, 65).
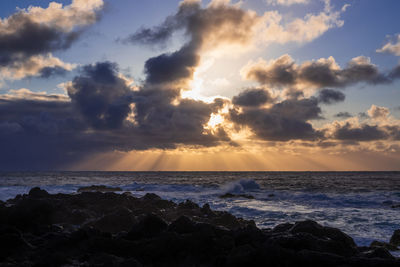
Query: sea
point(365, 205)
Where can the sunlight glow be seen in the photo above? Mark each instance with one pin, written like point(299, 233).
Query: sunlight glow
point(215, 119)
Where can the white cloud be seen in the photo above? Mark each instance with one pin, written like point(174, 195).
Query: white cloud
point(79, 13)
point(391, 47)
point(287, 2)
point(33, 67)
point(299, 30)
point(379, 113)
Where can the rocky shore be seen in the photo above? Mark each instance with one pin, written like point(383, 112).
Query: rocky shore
point(95, 228)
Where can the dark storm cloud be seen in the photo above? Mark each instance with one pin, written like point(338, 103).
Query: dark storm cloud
point(101, 96)
point(252, 97)
point(215, 23)
point(205, 27)
point(172, 67)
point(28, 37)
point(343, 115)
point(329, 96)
point(280, 72)
point(361, 133)
point(322, 73)
point(24, 38)
point(40, 131)
point(287, 120)
point(166, 124)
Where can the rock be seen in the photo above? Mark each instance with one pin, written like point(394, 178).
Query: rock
point(150, 197)
point(98, 188)
point(108, 229)
point(379, 252)
point(227, 220)
point(207, 210)
point(317, 230)
point(377, 244)
point(118, 221)
point(282, 227)
point(188, 204)
point(230, 195)
point(182, 225)
point(395, 239)
point(149, 226)
point(36, 192)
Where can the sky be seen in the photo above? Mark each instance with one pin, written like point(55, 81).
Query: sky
point(212, 85)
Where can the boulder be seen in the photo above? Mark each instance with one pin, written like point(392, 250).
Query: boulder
point(378, 244)
point(395, 239)
point(36, 192)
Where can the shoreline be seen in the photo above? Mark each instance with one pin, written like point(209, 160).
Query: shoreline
point(107, 229)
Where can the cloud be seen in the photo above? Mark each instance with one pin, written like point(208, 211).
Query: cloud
point(28, 36)
point(252, 97)
point(101, 96)
point(101, 113)
point(376, 112)
point(300, 30)
point(220, 22)
point(28, 95)
point(377, 125)
point(283, 121)
point(287, 2)
point(392, 47)
point(362, 133)
point(324, 72)
point(224, 23)
point(42, 65)
point(172, 68)
point(343, 115)
point(329, 96)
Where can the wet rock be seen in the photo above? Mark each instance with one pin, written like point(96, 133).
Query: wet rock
point(379, 252)
point(395, 239)
point(317, 230)
point(230, 195)
point(108, 229)
point(377, 244)
point(36, 192)
point(188, 204)
point(207, 210)
point(98, 188)
point(282, 227)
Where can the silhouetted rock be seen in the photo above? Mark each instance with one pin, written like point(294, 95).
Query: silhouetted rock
point(378, 244)
point(149, 226)
point(395, 239)
point(182, 225)
point(109, 229)
point(36, 192)
point(379, 252)
point(98, 188)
